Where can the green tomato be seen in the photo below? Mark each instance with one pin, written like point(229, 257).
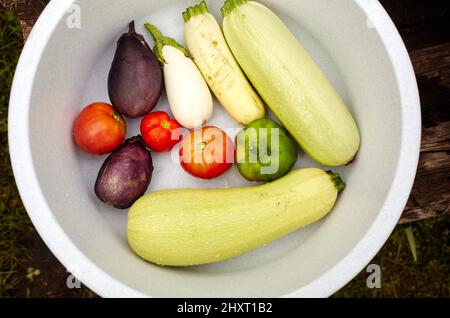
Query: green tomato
point(265, 152)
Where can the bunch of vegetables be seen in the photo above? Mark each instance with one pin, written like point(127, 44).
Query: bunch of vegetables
point(254, 58)
point(135, 84)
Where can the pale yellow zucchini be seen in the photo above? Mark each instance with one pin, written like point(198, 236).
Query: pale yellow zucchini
point(193, 227)
point(207, 46)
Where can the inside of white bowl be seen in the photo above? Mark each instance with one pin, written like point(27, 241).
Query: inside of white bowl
point(72, 73)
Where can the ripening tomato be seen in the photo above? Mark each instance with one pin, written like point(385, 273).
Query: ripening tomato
point(207, 153)
point(160, 132)
point(99, 129)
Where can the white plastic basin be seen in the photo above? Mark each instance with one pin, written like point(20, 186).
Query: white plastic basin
point(62, 69)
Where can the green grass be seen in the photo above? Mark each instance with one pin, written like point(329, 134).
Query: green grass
point(14, 222)
point(402, 276)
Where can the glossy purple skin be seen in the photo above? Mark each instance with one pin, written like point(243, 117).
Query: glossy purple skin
point(125, 175)
point(135, 80)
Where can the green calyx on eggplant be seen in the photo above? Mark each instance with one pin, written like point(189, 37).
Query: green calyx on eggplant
point(125, 175)
point(135, 80)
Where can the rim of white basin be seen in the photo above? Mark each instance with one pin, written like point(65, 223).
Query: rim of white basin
point(105, 285)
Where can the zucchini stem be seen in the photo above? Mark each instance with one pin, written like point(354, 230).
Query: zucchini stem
point(230, 5)
point(161, 41)
point(337, 180)
point(199, 9)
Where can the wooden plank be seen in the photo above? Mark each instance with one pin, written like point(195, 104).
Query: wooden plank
point(436, 138)
point(428, 211)
point(433, 63)
point(29, 11)
point(431, 193)
point(415, 12)
point(425, 28)
point(421, 23)
point(434, 162)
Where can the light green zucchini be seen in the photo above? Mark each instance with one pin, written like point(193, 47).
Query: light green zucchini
point(291, 83)
point(194, 227)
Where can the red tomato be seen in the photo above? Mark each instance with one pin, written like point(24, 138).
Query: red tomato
point(160, 132)
point(207, 153)
point(99, 129)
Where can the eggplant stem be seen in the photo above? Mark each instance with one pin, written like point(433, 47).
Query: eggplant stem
point(132, 28)
point(161, 41)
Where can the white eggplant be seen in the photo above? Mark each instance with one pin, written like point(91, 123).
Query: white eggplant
point(189, 96)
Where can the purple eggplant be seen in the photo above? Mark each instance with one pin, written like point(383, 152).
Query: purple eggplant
point(125, 175)
point(135, 80)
